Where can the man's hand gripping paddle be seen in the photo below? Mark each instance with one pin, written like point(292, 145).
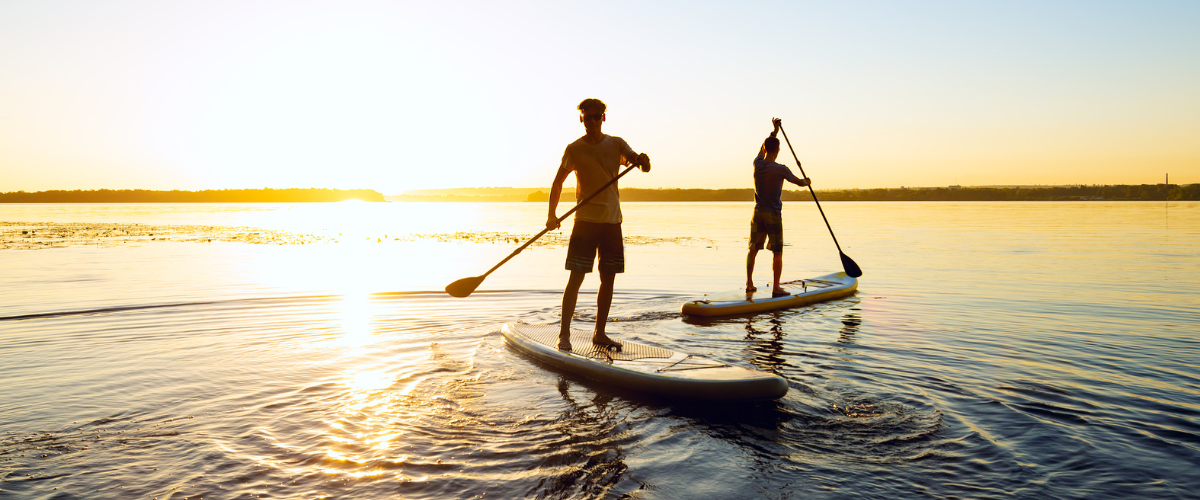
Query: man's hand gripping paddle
point(465, 286)
point(848, 264)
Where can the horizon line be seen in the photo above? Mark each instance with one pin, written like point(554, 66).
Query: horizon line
point(566, 188)
point(997, 186)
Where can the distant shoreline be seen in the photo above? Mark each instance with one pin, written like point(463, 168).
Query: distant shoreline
point(1119, 192)
point(265, 195)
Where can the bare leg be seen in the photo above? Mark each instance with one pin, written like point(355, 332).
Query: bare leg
point(750, 256)
point(603, 304)
point(777, 268)
point(570, 296)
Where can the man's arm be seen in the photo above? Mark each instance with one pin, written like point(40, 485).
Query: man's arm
point(555, 194)
point(762, 150)
point(796, 180)
point(778, 122)
point(641, 160)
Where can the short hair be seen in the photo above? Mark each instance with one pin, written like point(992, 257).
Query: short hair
point(772, 145)
point(592, 106)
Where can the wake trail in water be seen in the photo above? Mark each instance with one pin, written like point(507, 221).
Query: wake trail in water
point(247, 300)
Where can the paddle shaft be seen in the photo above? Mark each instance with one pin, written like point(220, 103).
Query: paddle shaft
point(810, 189)
point(560, 219)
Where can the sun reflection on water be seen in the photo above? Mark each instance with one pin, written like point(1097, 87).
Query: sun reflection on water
point(369, 381)
point(356, 320)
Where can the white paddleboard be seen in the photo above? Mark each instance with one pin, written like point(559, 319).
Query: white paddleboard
point(804, 292)
point(644, 368)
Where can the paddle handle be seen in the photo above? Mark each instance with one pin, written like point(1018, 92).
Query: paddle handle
point(560, 219)
point(810, 189)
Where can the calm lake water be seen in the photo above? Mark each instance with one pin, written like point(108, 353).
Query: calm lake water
point(994, 350)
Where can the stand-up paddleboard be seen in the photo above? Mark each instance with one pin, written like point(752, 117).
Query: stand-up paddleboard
point(808, 291)
point(644, 368)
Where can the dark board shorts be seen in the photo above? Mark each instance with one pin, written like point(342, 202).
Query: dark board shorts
point(588, 238)
point(769, 223)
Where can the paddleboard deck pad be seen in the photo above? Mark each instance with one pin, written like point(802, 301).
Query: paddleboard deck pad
point(804, 292)
point(644, 368)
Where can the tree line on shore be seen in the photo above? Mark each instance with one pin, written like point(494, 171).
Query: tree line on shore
point(1122, 192)
point(1119, 192)
point(265, 195)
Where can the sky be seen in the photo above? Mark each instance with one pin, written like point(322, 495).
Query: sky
point(397, 96)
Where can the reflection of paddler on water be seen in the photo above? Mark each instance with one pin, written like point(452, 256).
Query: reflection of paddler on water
point(768, 353)
point(767, 223)
point(596, 159)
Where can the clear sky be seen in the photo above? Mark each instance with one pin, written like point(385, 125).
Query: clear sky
point(397, 96)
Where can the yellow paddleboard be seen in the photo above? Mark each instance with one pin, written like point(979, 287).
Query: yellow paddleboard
point(807, 291)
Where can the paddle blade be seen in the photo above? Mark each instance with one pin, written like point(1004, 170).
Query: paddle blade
point(464, 287)
point(848, 264)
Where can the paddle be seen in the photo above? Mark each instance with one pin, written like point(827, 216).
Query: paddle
point(848, 264)
point(465, 286)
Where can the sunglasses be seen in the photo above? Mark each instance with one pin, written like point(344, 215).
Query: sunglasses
point(593, 116)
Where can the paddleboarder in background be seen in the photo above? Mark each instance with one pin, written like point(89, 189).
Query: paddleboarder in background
point(595, 158)
point(767, 223)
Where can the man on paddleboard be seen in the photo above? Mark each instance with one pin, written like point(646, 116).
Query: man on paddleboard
point(595, 158)
point(767, 223)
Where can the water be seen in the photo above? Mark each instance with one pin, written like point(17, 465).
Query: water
point(994, 350)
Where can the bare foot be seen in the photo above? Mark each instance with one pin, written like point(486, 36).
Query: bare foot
point(750, 288)
point(779, 292)
point(564, 342)
point(602, 340)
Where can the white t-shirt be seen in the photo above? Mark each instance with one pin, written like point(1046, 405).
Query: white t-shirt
point(594, 165)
